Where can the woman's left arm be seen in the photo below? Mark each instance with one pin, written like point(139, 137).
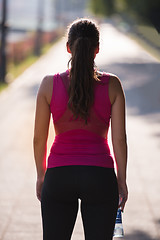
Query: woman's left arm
point(42, 120)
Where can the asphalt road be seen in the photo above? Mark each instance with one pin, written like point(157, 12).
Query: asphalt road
point(139, 73)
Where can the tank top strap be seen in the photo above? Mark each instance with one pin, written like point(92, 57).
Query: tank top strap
point(64, 76)
point(102, 104)
point(105, 77)
point(58, 103)
point(53, 90)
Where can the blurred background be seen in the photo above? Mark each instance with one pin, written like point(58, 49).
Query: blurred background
point(32, 45)
point(28, 28)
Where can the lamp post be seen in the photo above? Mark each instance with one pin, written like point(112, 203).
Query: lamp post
point(3, 42)
point(38, 41)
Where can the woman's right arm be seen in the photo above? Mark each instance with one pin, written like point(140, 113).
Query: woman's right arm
point(41, 127)
point(118, 132)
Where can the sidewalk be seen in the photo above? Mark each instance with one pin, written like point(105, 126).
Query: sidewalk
point(19, 209)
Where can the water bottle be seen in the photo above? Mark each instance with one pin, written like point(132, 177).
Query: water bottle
point(118, 230)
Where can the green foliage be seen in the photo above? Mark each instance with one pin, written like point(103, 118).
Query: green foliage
point(149, 33)
point(144, 8)
point(140, 7)
point(3, 86)
point(120, 5)
point(102, 7)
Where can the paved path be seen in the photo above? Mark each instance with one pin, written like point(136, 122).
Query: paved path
point(139, 72)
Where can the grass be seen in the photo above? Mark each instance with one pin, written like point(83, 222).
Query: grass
point(14, 70)
point(150, 49)
point(3, 86)
point(150, 34)
point(148, 38)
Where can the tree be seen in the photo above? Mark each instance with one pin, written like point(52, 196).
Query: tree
point(148, 10)
point(102, 7)
point(40, 15)
point(3, 42)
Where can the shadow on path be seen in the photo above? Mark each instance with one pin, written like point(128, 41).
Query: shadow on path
point(141, 82)
point(139, 235)
point(33, 90)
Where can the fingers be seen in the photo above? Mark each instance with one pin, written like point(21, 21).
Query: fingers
point(39, 196)
point(39, 189)
point(122, 203)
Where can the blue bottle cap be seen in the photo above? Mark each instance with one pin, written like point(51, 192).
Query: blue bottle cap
point(119, 216)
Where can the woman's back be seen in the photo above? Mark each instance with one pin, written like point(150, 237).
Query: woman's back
point(100, 112)
point(76, 142)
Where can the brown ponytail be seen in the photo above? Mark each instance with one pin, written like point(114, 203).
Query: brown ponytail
point(83, 38)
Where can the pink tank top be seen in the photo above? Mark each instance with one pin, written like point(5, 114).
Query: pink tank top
point(75, 142)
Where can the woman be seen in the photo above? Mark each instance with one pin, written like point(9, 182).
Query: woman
point(82, 102)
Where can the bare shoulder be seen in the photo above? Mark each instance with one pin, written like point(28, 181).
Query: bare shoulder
point(46, 83)
point(46, 88)
point(115, 82)
point(115, 88)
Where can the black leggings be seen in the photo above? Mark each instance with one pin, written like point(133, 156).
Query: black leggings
point(97, 189)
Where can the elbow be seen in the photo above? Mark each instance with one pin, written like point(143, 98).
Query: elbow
point(40, 138)
point(37, 140)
